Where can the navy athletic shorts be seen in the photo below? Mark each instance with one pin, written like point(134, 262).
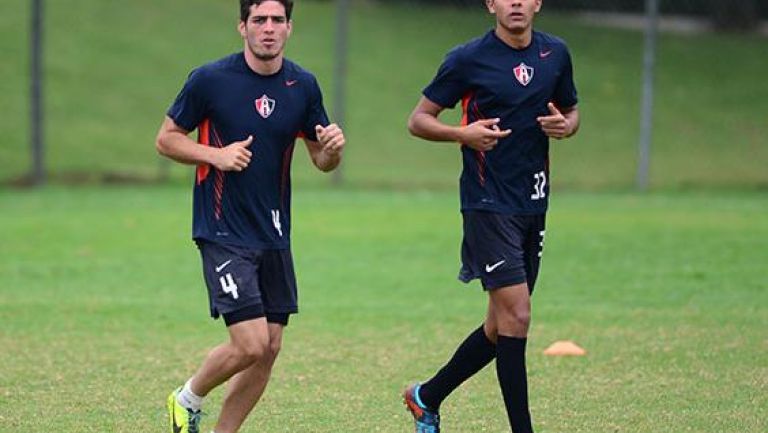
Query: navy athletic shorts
point(245, 284)
point(501, 250)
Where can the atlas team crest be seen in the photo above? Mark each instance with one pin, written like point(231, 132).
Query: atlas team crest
point(265, 106)
point(523, 73)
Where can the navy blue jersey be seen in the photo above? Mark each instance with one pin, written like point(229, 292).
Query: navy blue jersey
point(493, 80)
point(227, 101)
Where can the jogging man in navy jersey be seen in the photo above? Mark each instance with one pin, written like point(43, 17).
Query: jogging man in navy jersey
point(516, 89)
point(248, 108)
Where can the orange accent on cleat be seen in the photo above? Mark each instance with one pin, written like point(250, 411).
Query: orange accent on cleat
point(410, 404)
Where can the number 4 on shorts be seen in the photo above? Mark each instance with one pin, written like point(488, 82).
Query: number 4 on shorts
point(228, 285)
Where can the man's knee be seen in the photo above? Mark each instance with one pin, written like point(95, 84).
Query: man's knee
point(274, 347)
point(252, 351)
point(491, 329)
point(511, 306)
point(520, 316)
point(251, 347)
point(275, 340)
point(514, 321)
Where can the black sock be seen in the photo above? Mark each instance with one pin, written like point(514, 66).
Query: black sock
point(513, 380)
point(472, 355)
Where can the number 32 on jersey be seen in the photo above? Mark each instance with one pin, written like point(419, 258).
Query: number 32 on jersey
point(539, 191)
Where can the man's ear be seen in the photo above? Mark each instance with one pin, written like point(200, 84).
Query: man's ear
point(241, 28)
point(491, 5)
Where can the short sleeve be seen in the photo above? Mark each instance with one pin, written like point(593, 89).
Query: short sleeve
point(565, 93)
point(190, 107)
point(449, 85)
point(316, 114)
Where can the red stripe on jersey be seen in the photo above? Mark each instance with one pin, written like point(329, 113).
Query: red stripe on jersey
point(465, 108)
point(480, 156)
point(468, 103)
point(203, 137)
point(478, 114)
point(217, 138)
point(218, 183)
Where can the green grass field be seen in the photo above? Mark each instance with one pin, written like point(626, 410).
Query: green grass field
point(112, 76)
point(104, 312)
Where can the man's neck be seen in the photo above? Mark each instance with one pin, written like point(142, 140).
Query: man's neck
point(263, 67)
point(517, 41)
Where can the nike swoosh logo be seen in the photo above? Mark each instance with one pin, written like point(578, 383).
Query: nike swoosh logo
point(491, 268)
point(290, 83)
point(176, 427)
point(545, 54)
point(222, 266)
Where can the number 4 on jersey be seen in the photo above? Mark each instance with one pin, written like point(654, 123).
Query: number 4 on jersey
point(276, 221)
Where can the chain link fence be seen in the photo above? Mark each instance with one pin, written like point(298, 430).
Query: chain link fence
point(108, 81)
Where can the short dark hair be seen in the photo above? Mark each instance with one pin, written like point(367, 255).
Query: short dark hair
point(245, 7)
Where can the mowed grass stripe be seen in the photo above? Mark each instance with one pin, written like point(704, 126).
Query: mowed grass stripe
point(104, 311)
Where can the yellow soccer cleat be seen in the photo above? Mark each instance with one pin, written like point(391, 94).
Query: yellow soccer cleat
point(182, 420)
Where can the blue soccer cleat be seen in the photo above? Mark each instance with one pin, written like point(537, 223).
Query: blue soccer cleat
point(426, 421)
